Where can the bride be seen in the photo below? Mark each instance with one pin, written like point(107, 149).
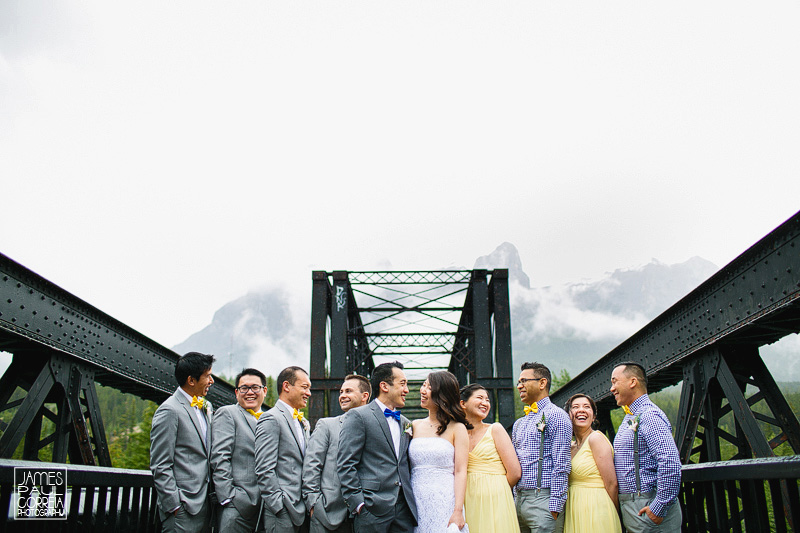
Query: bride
point(438, 454)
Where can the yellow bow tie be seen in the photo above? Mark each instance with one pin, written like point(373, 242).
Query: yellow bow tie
point(297, 415)
point(627, 410)
point(532, 408)
point(198, 402)
point(258, 414)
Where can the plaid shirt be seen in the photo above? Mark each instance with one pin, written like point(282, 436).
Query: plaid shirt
point(556, 461)
point(659, 462)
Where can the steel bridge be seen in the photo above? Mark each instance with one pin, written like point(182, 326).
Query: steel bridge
point(733, 417)
point(457, 320)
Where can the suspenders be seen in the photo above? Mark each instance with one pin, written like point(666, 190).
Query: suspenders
point(636, 461)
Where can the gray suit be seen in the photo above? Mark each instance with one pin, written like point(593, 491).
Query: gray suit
point(322, 490)
point(279, 468)
point(371, 472)
point(233, 465)
point(179, 460)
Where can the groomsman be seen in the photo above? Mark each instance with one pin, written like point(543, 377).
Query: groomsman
point(322, 490)
point(373, 458)
point(233, 453)
point(649, 480)
point(180, 441)
point(281, 437)
point(541, 439)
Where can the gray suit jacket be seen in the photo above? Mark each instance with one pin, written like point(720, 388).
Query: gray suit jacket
point(279, 463)
point(233, 456)
point(179, 457)
point(369, 468)
point(322, 490)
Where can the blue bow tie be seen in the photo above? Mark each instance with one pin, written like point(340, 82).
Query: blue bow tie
point(388, 413)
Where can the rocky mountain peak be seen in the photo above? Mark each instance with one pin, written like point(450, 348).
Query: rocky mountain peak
point(505, 256)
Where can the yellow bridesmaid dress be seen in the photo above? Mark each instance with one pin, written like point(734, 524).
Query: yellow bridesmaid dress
point(589, 508)
point(488, 503)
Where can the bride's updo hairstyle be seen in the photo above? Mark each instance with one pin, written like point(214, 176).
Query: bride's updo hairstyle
point(444, 395)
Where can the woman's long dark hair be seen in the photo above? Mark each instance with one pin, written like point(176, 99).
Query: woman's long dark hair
point(444, 395)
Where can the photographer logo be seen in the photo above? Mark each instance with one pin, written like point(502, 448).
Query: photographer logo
point(40, 493)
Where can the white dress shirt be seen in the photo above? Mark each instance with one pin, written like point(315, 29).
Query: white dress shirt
point(201, 417)
point(394, 427)
point(298, 428)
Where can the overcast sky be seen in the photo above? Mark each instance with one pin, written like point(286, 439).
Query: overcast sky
point(159, 159)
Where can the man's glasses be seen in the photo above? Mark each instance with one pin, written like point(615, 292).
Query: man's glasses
point(523, 381)
point(244, 389)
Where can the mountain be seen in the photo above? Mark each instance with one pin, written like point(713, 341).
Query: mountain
point(505, 256)
point(572, 325)
point(258, 330)
point(565, 327)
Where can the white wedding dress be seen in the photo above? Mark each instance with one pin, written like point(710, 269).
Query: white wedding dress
point(432, 480)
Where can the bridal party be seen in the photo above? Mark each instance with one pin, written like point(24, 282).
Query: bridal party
point(240, 469)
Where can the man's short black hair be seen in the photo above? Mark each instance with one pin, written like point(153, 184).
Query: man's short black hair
point(251, 372)
point(192, 364)
point(384, 372)
point(539, 371)
point(289, 374)
point(635, 370)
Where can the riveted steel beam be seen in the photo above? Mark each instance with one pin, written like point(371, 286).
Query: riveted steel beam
point(39, 316)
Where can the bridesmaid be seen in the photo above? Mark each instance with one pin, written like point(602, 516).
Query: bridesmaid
point(593, 498)
point(492, 468)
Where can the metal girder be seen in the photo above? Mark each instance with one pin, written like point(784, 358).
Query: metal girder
point(399, 277)
point(37, 315)
point(410, 316)
point(754, 300)
point(70, 385)
point(723, 374)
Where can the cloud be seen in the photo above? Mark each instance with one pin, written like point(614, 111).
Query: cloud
point(552, 313)
point(270, 356)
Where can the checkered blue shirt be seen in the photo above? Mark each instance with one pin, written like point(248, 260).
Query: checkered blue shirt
point(659, 462)
point(556, 461)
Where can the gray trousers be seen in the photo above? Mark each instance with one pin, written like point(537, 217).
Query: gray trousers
point(277, 523)
point(183, 522)
point(533, 514)
point(317, 527)
point(231, 521)
point(400, 520)
point(631, 504)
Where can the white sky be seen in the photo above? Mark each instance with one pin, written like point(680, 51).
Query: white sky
point(159, 159)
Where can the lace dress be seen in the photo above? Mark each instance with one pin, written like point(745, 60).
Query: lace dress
point(432, 465)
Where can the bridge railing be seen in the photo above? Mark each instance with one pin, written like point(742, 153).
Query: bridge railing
point(743, 495)
point(98, 499)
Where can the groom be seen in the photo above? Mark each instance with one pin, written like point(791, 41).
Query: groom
point(373, 458)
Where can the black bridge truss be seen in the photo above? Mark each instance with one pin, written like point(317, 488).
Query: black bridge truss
point(61, 346)
point(429, 320)
point(709, 341)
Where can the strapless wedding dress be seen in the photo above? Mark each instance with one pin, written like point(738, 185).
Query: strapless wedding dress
point(432, 480)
